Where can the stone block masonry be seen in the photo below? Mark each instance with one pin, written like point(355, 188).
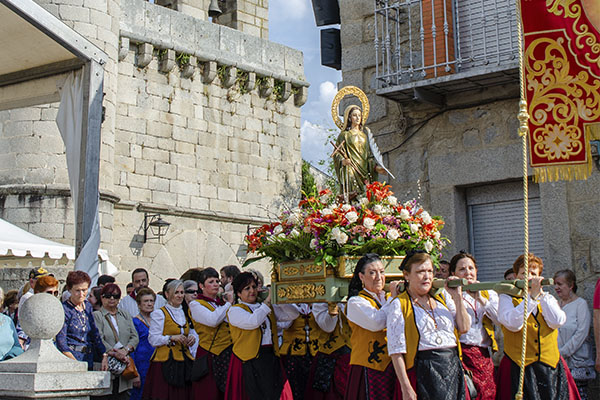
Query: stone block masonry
point(199, 128)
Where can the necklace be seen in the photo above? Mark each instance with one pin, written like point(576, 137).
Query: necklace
point(431, 314)
point(474, 308)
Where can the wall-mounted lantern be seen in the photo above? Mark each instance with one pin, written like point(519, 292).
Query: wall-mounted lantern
point(157, 226)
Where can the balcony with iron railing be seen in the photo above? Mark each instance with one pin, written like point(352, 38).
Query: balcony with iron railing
point(429, 49)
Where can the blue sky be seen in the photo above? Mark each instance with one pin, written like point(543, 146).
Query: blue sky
point(292, 23)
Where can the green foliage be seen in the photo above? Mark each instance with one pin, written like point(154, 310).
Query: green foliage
point(278, 89)
point(183, 59)
point(309, 186)
point(221, 71)
point(242, 81)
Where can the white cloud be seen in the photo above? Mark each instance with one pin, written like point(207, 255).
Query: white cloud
point(289, 9)
point(327, 91)
point(315, 145)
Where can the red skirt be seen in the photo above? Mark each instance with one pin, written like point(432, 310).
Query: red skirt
point(369, 384)
point(236, 389)
point(156, 388)
point(478, 360)
point(339, 378)
point(206, 388)
point(560, 381)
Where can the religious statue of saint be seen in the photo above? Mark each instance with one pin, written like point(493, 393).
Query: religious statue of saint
point(356, 158)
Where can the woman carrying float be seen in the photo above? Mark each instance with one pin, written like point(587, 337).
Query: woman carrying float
point(255, 371)
point(423, 331)
point(546, 374)
point(209, 313)
point(371, 372)
point(299, 345)
point(329, 372)
point(482, 307)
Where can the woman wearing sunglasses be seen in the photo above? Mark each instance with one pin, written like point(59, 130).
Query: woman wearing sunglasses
point(46, 284)
point(118, 335)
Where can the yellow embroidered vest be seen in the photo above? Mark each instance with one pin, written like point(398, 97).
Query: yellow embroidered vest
point(294, 337)
point(246, 343)
point(340, 337)
point(542, 342)
point(222, 340)
point(488, 325)
point(369, 349)
point(411, 332)
point(171, 328)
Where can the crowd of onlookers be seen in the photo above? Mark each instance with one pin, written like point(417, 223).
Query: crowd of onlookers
point(214, 317)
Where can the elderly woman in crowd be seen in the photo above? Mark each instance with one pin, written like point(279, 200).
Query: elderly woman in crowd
point(141, 356)
point(546, 374)
point(423, 334)
point(573, 337)
point(9, 341)
point(482, 307)
point(79, 338)
point(118, 335)
point(170, 335)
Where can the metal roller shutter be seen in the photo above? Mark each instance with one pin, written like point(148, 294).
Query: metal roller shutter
point(496, 233)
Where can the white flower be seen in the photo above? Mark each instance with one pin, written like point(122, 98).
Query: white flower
point(294, 217)
point(326, 211)
point(278, 229)
point(393, 234)
point(428, 246)
point(314, 243)
point(346, 207)
point(393, 201)
point(369, 223)
point(404, 214)
point(294, 233)
point(340, 237)
point(386, 210)
point(363, 201)
point(378, 209)
point(414, 228)
point(352, 217)
point(436, 235)
point(426, 217)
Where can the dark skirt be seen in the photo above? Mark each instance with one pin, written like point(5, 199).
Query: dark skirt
point(297, 370)
point(328, 377)
point(541, 381)
point(261, 378)
point(156, 388)
point(478, 360)
point(440, 375)
point(213, 385)
point(370, 384)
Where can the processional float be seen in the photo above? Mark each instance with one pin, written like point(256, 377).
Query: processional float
point(314, 247)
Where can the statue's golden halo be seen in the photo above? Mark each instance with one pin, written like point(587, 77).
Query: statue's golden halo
point(343, 92)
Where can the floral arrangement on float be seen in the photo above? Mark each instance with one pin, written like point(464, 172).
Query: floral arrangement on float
point(323, 233)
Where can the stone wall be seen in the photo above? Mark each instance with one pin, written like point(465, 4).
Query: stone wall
point(202, 125)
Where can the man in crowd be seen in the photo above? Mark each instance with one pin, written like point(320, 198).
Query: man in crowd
point(105, 280)
point(443, 271)
point(139, 278)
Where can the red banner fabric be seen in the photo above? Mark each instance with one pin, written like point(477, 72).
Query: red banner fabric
point(562, 82)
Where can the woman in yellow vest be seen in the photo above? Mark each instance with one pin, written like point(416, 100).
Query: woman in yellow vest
point(255, 371)
point(423, 331)
point(547, 376)
point(329, 372)
point(371, 373)
point(482, 307)
point(209, 313)
point(169, 334)
point(299, 345)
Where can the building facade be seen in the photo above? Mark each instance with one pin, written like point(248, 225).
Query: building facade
point(201, 125)
point(442, 79)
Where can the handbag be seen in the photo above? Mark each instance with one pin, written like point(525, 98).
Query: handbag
point(126, 369)
point(200, 367)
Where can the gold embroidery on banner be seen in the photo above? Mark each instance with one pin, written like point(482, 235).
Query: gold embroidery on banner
point(301, 291)
point(560, 96)
point(309, 269)
point(583, 35)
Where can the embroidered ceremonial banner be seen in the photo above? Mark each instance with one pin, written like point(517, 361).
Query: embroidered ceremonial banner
point(562, 78)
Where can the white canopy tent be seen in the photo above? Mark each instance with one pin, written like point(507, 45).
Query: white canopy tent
point(39, 53)
point(17, 245)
